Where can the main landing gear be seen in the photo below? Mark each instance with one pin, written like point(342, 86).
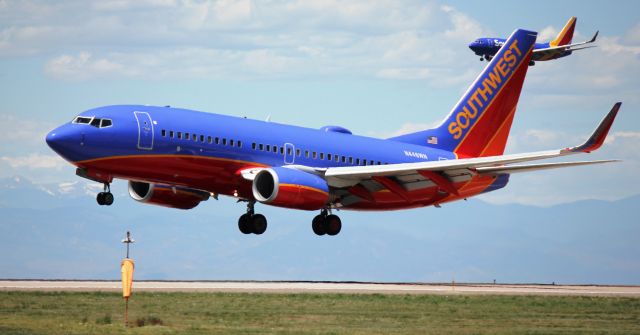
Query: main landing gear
point(326, 223)
point(105, 198)
point(252, 223)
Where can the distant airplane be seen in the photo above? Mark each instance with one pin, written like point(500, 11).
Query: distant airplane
point(177, 158)
point(560, 46)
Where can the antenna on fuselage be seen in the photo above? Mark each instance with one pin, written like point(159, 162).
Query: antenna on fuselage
point(268, 118)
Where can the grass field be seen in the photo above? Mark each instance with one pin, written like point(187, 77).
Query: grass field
point(253, 313)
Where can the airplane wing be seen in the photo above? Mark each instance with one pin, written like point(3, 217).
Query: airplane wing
point(553, 52)
point(443, 172)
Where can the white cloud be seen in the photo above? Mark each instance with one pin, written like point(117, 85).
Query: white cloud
point(35, 161)
point(160, 39)
point(23, 132)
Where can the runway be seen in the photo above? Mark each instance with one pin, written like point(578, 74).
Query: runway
point(323, 287)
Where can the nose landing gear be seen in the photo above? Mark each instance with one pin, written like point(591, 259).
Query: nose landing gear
point(252, 223)
point(105, 198)
point(326, 223)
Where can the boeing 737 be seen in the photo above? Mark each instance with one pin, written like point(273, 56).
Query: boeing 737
point(178, 158)
point(560, 46)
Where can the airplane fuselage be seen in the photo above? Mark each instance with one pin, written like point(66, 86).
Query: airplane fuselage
point(206, 151)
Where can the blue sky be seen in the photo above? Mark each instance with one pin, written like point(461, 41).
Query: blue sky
point(379, 68)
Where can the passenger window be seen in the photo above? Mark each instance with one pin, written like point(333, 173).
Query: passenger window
point(171, 133)
point(217, 140)
point(239, 144)
point(268, 148)
point(164, 133)
point(253, 145)
point(288, 151)
point(275, 149)
point(337, 158)
point(179, 135)
point(261, 147)
point(322, 155)
point(350, 160)
point(306, 153)
point(224, 141)
point(186, 136)
point(328, 156)
point(379, 163)
point(298, 152)
point(282, 150)
point(344, 159)
point(231, 143)
point(194, 137)
point(105, 123)
point(357, 161)
point(314, 155)
point(209, 139)
point(202, 138)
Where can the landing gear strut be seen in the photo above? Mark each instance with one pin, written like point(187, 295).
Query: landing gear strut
point(252, 223)
point(326, 223)
point(105, 198)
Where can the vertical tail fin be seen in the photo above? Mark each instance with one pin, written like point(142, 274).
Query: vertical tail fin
point(479, 123)
point(566, 34)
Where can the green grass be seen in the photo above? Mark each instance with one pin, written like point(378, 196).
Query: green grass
point(245, 313)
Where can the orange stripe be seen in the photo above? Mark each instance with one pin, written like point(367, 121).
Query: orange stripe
point(490, 143)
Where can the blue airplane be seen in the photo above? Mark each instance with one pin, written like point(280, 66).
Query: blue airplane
point(559, 47)
point(178, 158)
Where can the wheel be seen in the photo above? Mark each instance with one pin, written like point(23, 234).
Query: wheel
point(244, 224)
point(100, 199)
point(318, 225)
point(107, 198)
point(259, 224)
point(333, 224)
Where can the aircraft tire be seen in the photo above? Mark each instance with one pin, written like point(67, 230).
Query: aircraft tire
point(108, 198)
point(100, 199)
point(319, 225)
point(333, 225)
point(244, 224)
point(259, 224)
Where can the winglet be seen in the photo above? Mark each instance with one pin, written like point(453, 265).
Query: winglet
point(593, 39)
point(597, 138)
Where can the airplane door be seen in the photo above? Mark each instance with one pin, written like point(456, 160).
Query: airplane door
point(289, 153)
point(145, 130)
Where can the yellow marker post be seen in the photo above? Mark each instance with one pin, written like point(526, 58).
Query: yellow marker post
point(126, 268)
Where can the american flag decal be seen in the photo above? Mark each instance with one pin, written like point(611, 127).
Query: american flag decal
point(432, 140)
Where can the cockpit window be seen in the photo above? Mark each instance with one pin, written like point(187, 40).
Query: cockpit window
point(93, 121)
point(82, 119)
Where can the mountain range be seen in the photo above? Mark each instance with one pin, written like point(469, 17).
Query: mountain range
point(57, 231)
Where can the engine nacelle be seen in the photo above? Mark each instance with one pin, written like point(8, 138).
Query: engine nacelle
point(166, 195)
point(290, 188)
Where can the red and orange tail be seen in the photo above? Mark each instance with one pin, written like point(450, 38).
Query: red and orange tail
point(480, 122)
point(566, 35)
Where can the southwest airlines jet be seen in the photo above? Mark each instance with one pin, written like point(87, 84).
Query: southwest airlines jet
point(178, 158)
point(560, 46)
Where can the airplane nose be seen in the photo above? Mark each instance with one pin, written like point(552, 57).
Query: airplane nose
point(63, 140)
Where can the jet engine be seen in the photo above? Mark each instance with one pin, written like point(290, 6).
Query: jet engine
point(166, 195)
point(290, 188)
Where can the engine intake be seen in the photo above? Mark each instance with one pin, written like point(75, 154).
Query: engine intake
point(290, 188)
point(166, 195)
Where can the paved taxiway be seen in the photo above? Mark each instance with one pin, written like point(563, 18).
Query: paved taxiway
point(322, 287)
